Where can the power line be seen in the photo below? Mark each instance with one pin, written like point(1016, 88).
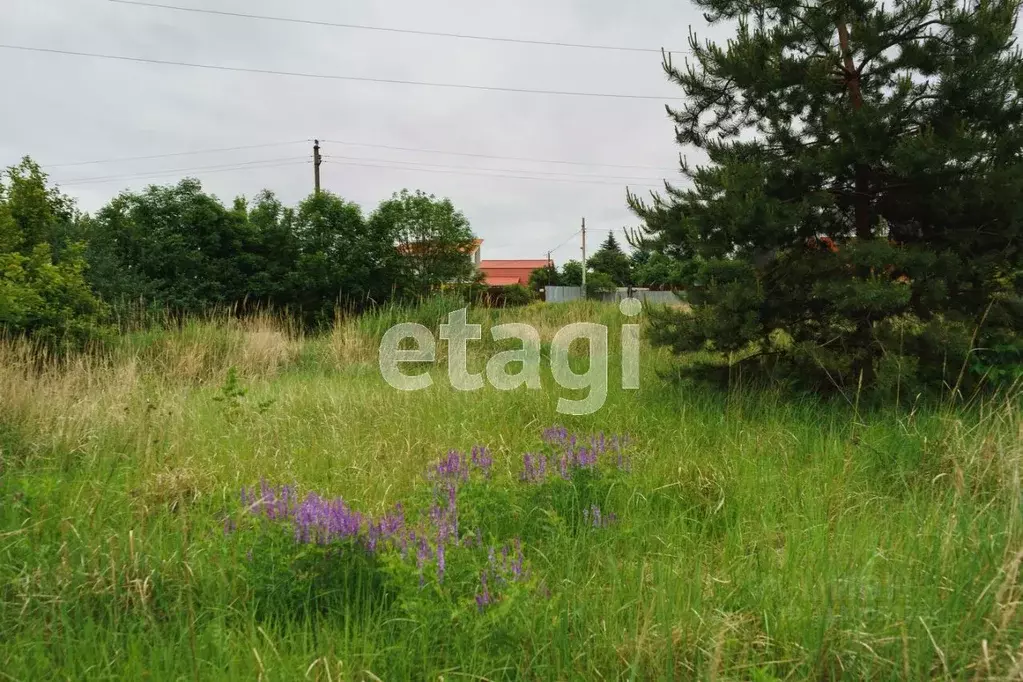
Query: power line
point(166, 156)
point(364, 27)
point(326, 76)
point(594, 176)
point(485, 174)
point(355, 144)
point(494, 156)
point(573, 236)
point(267, 163)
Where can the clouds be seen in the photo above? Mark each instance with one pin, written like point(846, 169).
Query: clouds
point(64, 109)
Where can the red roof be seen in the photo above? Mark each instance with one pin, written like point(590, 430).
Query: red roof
point(503, 281)
point(505, 272)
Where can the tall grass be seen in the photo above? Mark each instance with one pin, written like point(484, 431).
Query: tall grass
point(758, 536)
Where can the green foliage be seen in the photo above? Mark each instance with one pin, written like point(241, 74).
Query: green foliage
point(434, 240)
point(517, 295)
point(571, 274)
point(174, 247)
point(611, 261)
point(288, 580)
point(43, 297)
point(342, 259)
point(599, 283)
point(656, 270)
point(864, 191)
point(546, 276)
point(179, 248)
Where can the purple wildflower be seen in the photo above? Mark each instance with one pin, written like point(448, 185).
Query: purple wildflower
point(594, 517)
point(453, 468)
point(555, 435)
point(577, 452)
point(563, 466)
point(534, 469)
point(483, 596)
point(482, 459)
point(422, 554)
point(516, 566)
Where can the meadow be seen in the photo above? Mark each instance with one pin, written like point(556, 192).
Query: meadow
point(234, 499)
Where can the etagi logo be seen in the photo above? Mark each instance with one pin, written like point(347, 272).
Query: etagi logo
point(458, 334)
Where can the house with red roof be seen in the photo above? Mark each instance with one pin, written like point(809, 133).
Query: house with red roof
point(500, 273)
point(496, 273)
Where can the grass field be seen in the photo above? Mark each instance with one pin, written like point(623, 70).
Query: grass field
point(742, 535)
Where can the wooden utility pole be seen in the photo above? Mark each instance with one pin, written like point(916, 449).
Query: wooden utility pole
point(584, 259)
point(316, 165)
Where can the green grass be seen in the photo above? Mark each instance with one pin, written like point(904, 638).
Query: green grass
point(758, 536)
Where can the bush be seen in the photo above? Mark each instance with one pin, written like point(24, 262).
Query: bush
point(598, 284)
point(43, 292)
point(517, 295)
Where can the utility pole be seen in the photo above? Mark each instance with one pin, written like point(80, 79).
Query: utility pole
point(584, 259)
point(316, 165)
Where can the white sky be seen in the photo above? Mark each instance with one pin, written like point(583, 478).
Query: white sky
point(63, 109)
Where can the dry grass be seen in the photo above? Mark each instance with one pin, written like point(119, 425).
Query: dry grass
point(198, 352)
point(350, 344)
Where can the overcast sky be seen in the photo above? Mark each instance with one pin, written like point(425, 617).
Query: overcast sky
point(64, 109)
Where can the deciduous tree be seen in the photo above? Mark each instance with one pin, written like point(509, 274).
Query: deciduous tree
point(433, 238)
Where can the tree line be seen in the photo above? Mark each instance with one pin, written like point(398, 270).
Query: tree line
point(611, 267)
point(64, 274)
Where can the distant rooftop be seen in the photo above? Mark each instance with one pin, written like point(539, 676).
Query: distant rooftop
point(506, 272)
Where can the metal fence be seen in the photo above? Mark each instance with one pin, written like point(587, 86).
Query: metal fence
point(565, 294)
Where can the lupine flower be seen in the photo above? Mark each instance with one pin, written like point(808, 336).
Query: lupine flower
point(595, 518)
point(483, 596)
point(453, 468)
point(555, 435)
point(534, 468)
point(422, 555)
point(563, 466)
point(510, 568)
point(577, 453)
point(481, 459)
point(324, 521)
point(516, 565)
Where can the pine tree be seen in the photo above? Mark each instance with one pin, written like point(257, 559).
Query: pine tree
point(611, 244)
point(864, 190)
point(611, 261)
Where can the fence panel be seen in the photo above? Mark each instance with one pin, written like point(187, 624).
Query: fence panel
point(562, 294)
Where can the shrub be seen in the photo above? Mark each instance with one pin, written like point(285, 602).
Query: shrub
point(517, 295)
point(43, 292)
